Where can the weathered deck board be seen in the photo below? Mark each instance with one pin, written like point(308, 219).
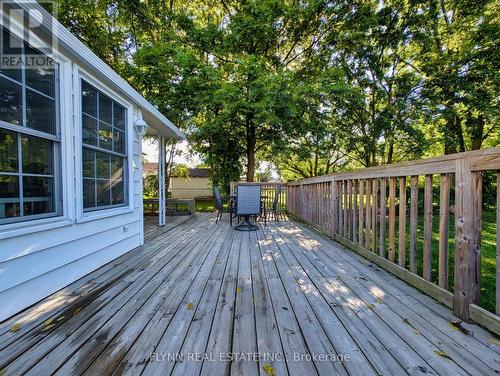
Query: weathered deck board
point(203, 288)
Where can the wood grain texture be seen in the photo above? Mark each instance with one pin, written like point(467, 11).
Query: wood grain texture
point(361, 211)
point(427, 260)
point(383, 216)
point(444, 210)
point(373, 243)
point(204, 288)
point(402, 222)
point(368, 215)
point(467, 225)
point(413, 223)
point(355, 211)
point(392, 218)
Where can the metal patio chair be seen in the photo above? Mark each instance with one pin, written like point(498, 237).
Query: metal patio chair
point(248, 204)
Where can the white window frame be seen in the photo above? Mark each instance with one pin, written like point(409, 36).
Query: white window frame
point(64, 110)
point(84, 216)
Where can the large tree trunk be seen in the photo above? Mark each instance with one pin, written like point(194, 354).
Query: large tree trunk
point(250, 150)
point(476, 130)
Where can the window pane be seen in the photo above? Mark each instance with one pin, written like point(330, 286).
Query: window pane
point(88, 164)
point(105, 109)
point(8, 151)
point(103, 193)
point(89, 130)
point(38, 195)
point(41, 78)
point(10, 101)
point(11, 47)
point(119, 141)
point(117, 192)
point(103, 166)
point(119, 116)
point(40, 112)
point(116, 168)
point(37, 155)
point(88, 193)
point(9, 196)
point(89, 99)
point(9, 186)
point(105, 136)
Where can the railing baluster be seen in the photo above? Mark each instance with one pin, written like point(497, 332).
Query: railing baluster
point(444, 207)
point(355, 211)
point(361, 210)
point(341, 208)
point(349, 220)
point(413, 223)
point(392, 217)
point(368, 213)
point(402, 222)
point(345, 213)
point(427, 262)
point(383, 214)
point(374, 215)
point(335, 208)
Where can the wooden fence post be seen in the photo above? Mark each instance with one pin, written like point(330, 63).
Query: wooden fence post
point(467, 234)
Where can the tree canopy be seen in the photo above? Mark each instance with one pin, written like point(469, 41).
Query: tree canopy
point(312, 86)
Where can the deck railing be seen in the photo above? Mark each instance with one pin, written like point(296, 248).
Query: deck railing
point(268, 192)
point(376, 212)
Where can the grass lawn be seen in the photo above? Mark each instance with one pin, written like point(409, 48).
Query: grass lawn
point(488, 252)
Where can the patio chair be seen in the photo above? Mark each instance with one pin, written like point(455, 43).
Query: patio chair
point(248, 204)
point(275, 203)
point(219, 205)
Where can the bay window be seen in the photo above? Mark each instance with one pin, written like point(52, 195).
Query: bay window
point(29, 137)
point(104, 150)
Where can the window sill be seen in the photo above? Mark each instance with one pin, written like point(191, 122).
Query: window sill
point(105, 213)
point(23, 228)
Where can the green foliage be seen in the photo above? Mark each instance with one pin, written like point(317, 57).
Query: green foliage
point(312, 87)
point(150, 185)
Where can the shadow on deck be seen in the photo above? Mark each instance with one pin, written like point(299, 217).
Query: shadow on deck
point(201, 298)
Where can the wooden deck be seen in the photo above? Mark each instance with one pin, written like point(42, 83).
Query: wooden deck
point(201, 298)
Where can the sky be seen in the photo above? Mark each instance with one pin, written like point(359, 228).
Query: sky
point(150, 152)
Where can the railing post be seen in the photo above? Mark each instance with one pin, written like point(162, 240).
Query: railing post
point(335, 207)
point(467, 233)
point(162, 194)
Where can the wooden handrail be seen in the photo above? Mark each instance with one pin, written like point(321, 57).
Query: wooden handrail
point(485, 159)
point(354, 207)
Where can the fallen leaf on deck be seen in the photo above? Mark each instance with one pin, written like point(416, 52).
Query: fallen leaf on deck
point(457, 324)
point(268, 369)
point(406, 321)
point(15, 327)
point(47, 323)
point(48, 327)
point(370, 305)
point(190, 306)
point(77, 311)
point(286, 309)
point(416, 332)
point(494, 341)
point(379, 301)
point(238, 290)
point(442, 354)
